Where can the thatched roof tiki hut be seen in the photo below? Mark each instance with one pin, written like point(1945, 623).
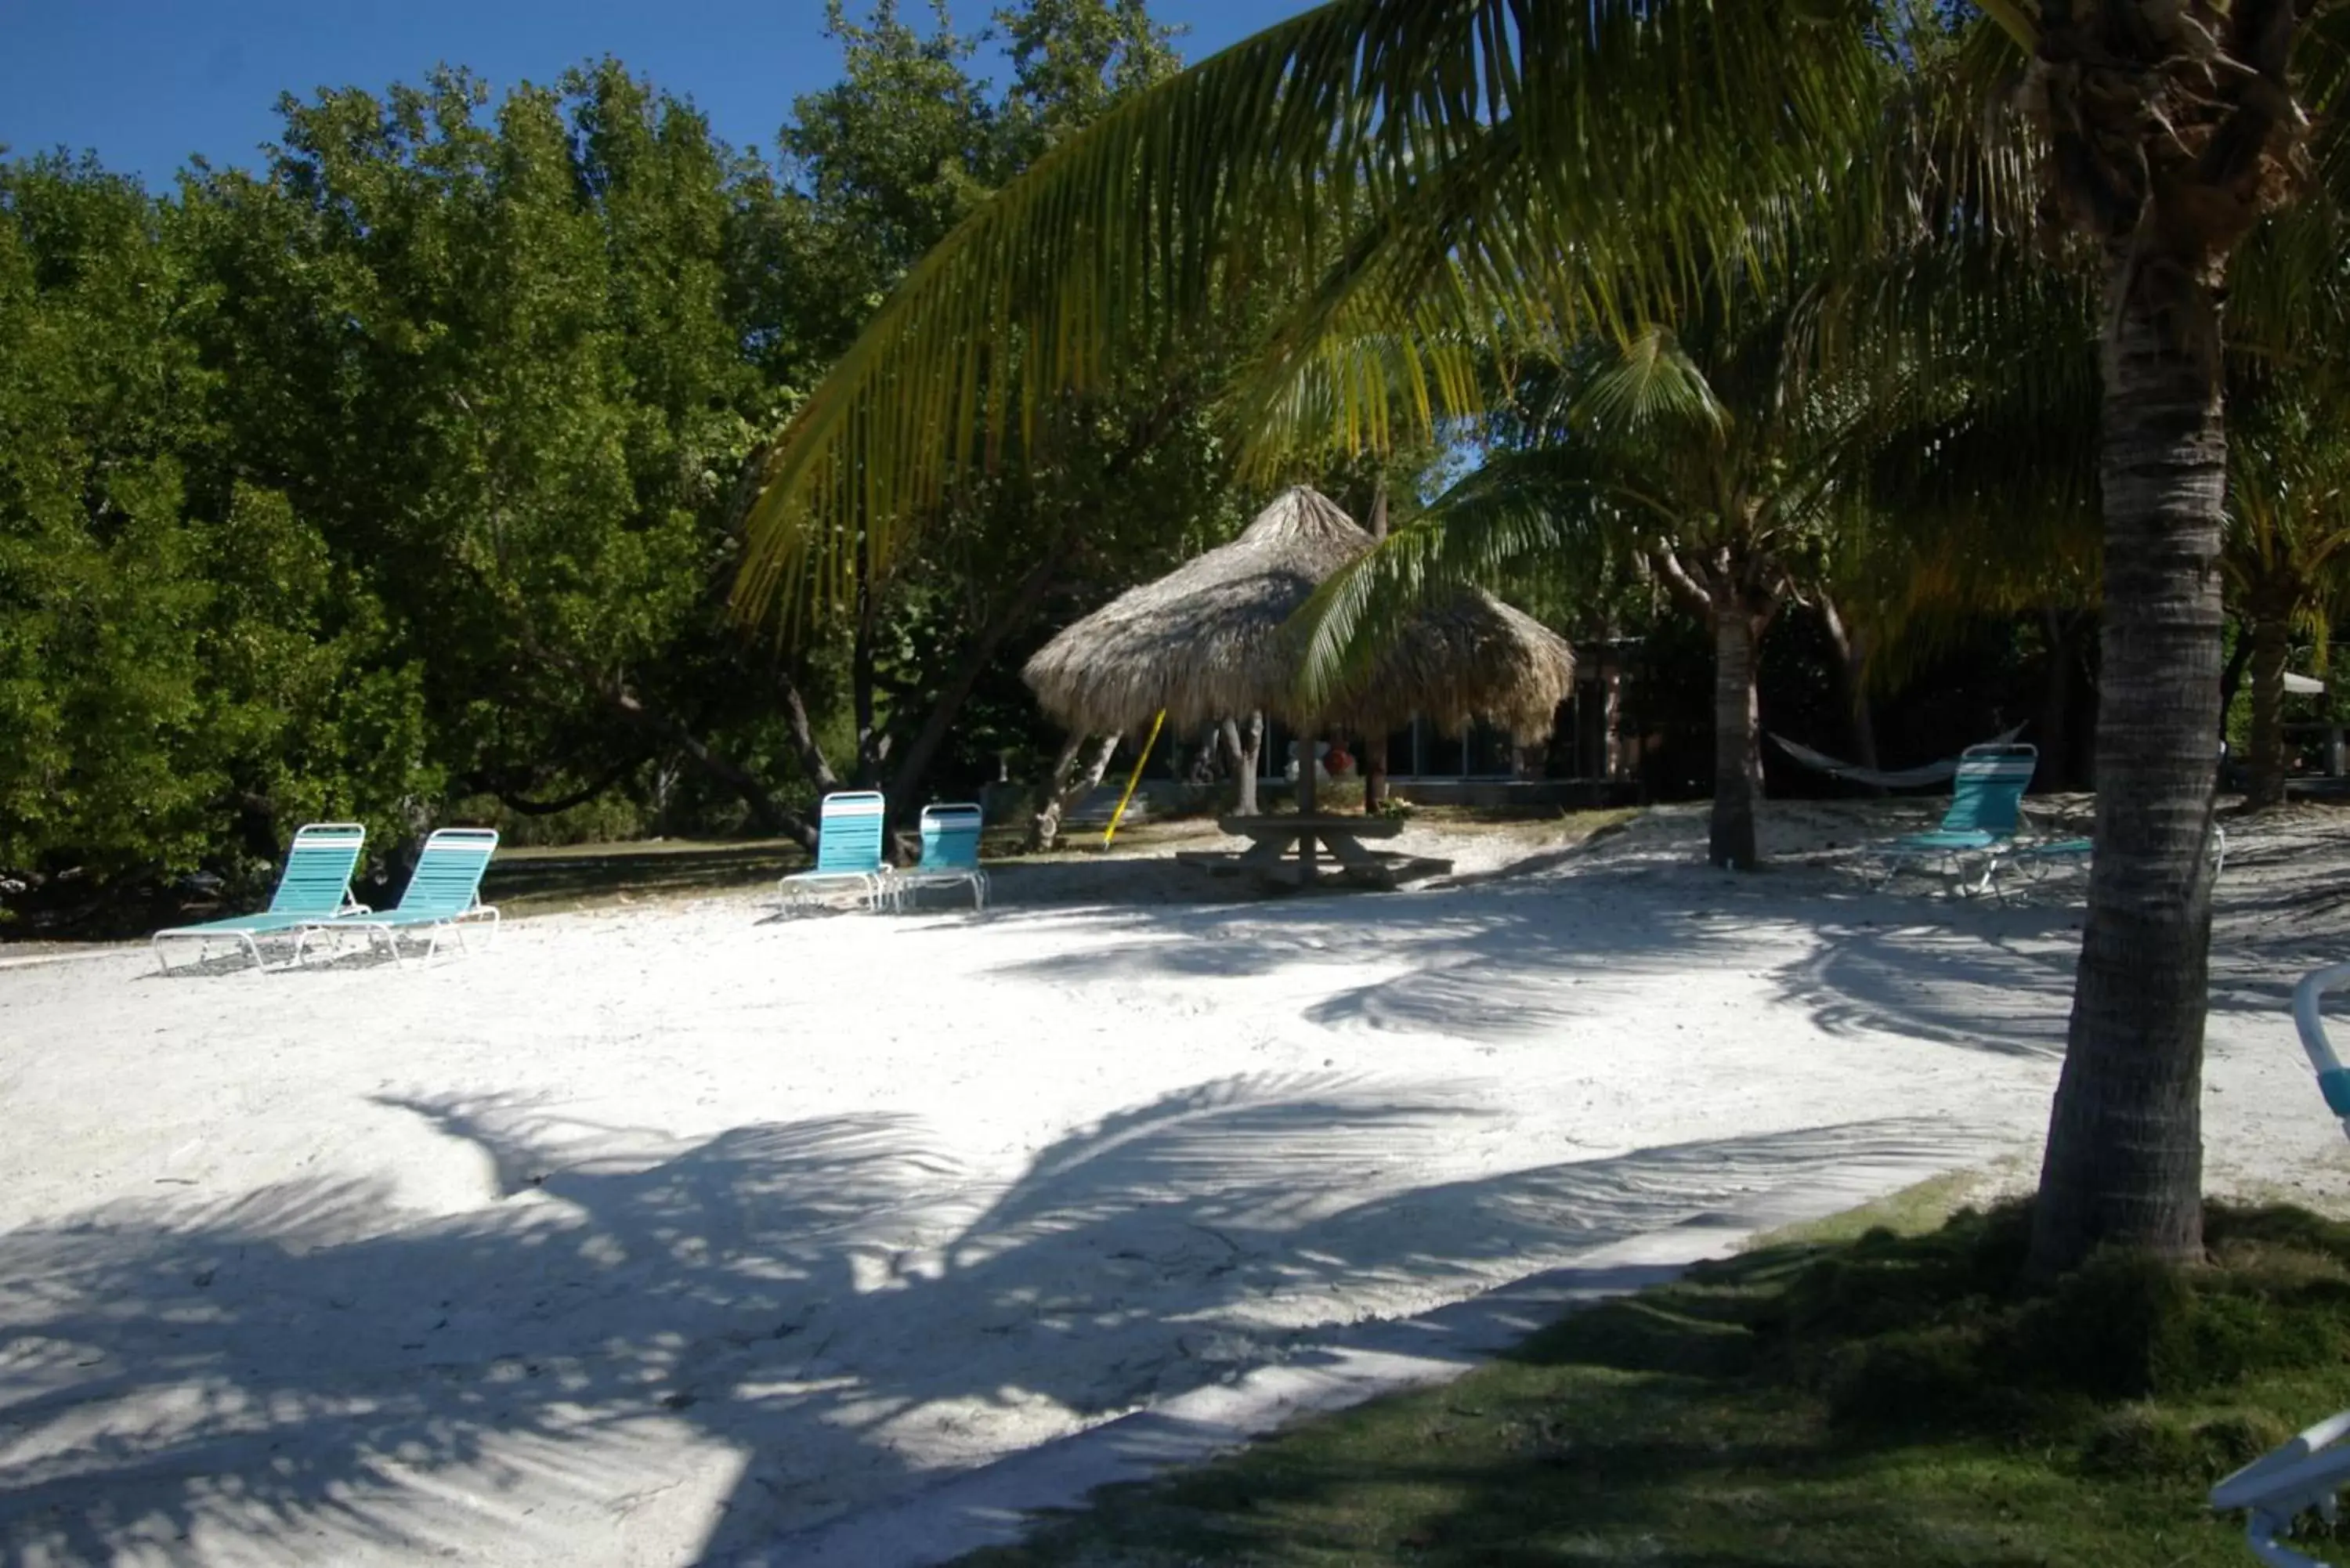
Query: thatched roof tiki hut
point(1211, 641)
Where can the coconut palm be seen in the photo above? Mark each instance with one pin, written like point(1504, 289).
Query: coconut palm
point(1446, 172)
point(1692, 453)
point(2287, 542)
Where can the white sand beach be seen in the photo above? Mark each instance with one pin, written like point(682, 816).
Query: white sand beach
point(677, 1232)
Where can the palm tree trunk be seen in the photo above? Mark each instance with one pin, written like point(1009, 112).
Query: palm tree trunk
point(2265, 761)
point(1737, 740)
point(1374, 747)
point(2054, 734)
point(2231, 674)
point(2125, 1157)
point(1852, 659)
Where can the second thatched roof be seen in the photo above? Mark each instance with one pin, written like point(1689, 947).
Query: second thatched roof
point(1210, 640)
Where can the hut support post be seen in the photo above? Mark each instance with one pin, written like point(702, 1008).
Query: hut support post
point(1245, 746)
point(1306, 764)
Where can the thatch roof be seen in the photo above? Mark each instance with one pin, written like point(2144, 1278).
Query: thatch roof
point(1474, 659)
point(1210, 640)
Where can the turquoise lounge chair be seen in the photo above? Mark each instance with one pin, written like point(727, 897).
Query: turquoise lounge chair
point(442, 895)
point(949, 856)
point(315, 885)
point(2034, 861)
point(1986, 809)
point(848, 850)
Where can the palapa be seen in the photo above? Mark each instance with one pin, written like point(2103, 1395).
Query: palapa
point(1213, 640)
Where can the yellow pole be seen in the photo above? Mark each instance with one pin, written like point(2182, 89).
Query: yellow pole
point(1132, 779)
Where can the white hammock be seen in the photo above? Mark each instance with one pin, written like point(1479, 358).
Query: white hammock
point(1902, 778)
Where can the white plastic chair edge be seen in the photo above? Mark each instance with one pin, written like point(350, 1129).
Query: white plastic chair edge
point(2305, 1472)
point(2275, 1488)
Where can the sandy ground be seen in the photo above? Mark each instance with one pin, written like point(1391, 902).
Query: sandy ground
point(670, 1233)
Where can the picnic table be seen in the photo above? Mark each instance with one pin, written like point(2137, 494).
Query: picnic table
point(1291, 850)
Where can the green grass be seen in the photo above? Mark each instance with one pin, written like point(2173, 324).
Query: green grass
point(1911, 1211)
point(1876, 1400)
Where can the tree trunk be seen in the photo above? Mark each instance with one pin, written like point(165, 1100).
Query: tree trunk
point(612, 689)
point(1070, 782)
point(2125, 1157)
point(1247, 742)
point(872, 745)
point(1737, 740)
point(813, 762)
point(1375, 748)
point(2054, 732)
point(914, 763)
point(771, 816)
point(2231, 674)
point(1201, 771)
point(1852, 656)
point(2264, 769)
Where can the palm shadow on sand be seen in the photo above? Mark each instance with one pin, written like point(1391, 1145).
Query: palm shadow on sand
point(831, 1306)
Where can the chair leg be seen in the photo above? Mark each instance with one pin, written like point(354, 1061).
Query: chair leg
point(162, 964)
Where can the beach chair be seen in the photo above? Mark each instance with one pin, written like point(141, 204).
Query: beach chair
point(1985, 811)
point(316, 885)
point(442, 895)
point(848, 851)
point(949, 856)
point(2035, 860)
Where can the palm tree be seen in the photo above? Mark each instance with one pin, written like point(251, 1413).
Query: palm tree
point(2287, 540)
point(1443, 173)
point(1694, 452)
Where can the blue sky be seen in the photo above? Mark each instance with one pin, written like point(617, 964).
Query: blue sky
point(146, 83)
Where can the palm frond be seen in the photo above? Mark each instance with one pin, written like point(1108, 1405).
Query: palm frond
point(1560, 508)
point(1651, 138)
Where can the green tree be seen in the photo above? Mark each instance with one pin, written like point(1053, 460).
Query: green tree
point(494, 359)
point(184, 674)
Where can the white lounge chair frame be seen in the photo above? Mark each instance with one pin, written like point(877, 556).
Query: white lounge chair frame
point(315, 838)
point(462, 845)
point(851, 825)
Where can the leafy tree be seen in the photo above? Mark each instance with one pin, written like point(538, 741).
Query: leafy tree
point(494, 359)
point(184, 672)
point(408, 470)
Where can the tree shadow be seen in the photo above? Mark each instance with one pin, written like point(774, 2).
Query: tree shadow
point(2007, 989)
point(1522, 959)
point(738, 1336)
